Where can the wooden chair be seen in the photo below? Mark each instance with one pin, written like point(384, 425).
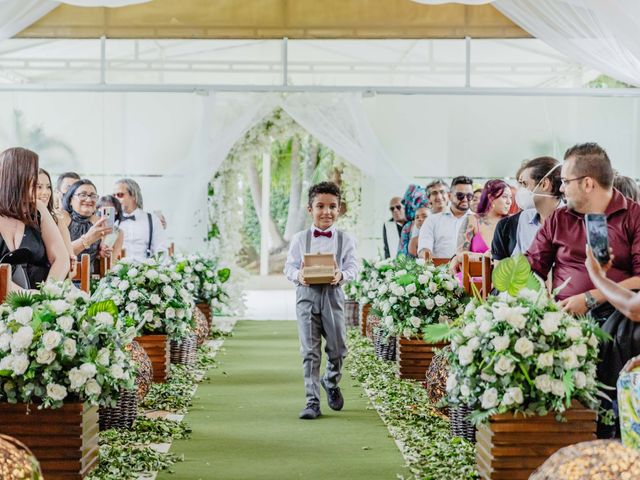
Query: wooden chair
point(477, 269)
point(102, 265)
point(172, 249)
point(440, 261)
point(83, 272)
point(5, 280)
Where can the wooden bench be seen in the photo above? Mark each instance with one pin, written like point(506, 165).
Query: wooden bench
point(83, 272)
point(477, 269)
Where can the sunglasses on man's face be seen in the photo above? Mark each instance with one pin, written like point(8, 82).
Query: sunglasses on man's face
point(396, 207)
point(461, 196)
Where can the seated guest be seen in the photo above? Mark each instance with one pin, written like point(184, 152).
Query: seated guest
point(392, 228)
point(79, 216)
point(421, 215)
point(477, 193)
point(538, 196)
point(437, 194)
point(627, 186)
point(26, 223)
point(63, 183)
point(111, 245)
point(477, 232)
point(143, 232)
point(439, 233)
point(414, 198)
point(587, 184)
point(44, 193)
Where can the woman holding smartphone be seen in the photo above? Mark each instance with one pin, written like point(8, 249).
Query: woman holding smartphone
point(110, 207)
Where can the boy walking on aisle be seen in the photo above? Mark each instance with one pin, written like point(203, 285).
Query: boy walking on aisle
point(319, 307)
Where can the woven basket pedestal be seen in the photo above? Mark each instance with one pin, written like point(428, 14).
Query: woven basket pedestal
point(414, 356)
point(202, 326)
point(511, 447)
point(64, 440)
point(184, 351)
point(206, 309)
point(385, 347)
point(123, 414)
point(144, 369)
point(373, 321)
point(364, 313)
point(351, 313)
point(460, 424)
point(436, 379)
point(157, 347)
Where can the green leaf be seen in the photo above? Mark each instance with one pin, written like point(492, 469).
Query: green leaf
point(534, 283)
point(20, 299)
point(567, 381)
point(512, 274)
point(224, 274)
point(406, 279)
point(436, 333)
point(5, 373)
point(103, 306)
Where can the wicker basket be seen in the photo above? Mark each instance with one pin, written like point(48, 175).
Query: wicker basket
point(202, 326)
point(123, 414)
point(372, 323)
point(17, 461)
point(351, 313)
point(364, 313)
point(184, 352)
point(436, 379)
point(144, 369)
point(385, 347)
point(460, 424)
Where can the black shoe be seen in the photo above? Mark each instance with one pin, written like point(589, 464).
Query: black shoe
point(334, 396)
point(310, 412)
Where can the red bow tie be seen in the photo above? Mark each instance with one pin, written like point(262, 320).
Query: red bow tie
point(320, 233)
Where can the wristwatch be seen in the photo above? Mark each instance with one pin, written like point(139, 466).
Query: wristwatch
point(590, 300)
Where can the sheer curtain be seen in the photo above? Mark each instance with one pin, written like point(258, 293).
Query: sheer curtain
point(602, 34)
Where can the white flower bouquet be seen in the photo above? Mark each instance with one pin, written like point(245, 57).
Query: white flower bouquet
point(519, 352)
point(415, 294)
point(57, 346)
point(150, 294)
point(370, 277)
point(203, 276)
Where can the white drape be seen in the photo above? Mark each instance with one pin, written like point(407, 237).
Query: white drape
point(602, 34)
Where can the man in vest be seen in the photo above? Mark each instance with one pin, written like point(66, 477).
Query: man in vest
point(393, 227)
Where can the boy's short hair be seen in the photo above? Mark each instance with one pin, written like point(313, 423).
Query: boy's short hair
point(324, 187)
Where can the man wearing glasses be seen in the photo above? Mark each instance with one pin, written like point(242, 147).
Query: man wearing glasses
point(439, 233)
point(393, 227)
point(143, 233)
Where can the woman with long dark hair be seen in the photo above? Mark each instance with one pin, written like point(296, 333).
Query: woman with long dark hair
point(27, 223)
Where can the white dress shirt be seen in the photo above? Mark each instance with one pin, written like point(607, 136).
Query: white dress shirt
point(439, 233)
point(322, 245)
point(136, 235)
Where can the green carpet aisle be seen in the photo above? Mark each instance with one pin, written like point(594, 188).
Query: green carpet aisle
point(245, 423)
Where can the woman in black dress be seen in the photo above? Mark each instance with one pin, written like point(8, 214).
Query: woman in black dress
point(25, 222)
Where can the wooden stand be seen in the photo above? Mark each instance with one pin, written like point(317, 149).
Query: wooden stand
point(511, 447)
point(157, 347)
point(64, 440)
point(414, 356)
point(364, 313)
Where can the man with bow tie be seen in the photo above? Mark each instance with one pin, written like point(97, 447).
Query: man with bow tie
point(144, 235)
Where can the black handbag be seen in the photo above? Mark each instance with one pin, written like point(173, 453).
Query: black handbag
point(19, 259)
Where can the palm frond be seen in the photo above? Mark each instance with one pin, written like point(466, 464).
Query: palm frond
point(20, 299)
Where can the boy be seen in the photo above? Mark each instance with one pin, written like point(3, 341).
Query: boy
point(319, 308)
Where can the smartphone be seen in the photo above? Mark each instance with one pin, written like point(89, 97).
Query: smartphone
point(598, 236)
point(110, 214)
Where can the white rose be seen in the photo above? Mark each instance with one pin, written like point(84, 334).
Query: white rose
point(22, 338)
point(155, 299)
point(470, 329)
point(579, 379)
point(209, 274)
point(59, 306)
point(429, 303)
point(388, 321)
point(65, 322)
point(175, 276)
point(382, 289)
point(134, 295)
point(580, 350)
point(132, 272)
point(433, 287)
point(147, 316)
point(407, 333)
point(593, 341)
point(503, 365)
point(20, 363)
point(89, 369)
point(474, 344)
point(6, 363)
point(574, 333)
point(440, 300)
point(5, 342)
point(104, 318)
point(423, 279)
point(393, 300)
point(550, 322)
point(131, 307)
point(170, 313)
point(488, 378)
point(69, 347)
point(371, 295)
point(92, 387)
point(51, 339)
point(117, 371)
point(168, 291)
point(199, 267)
point(420, 261)
point(151, 274)
point(123, 286)
point(557, 388)
point(465, 355)
point(545, 360)
point(411, 288)
point(23, 315)
point(489, 398)
point(543, 383)
point(52, 289)
point(103, 357)
point(415, 321)
point(524, 347)
point(484, 326)
point(452, 382)
point(569, 358)
point(163, 278)
point(56, 392)
point(513, 395)
point(414, 302)
point(45, 357)
point(464, 390)
point(501, 343)
point(449, 285)
point(116, 281)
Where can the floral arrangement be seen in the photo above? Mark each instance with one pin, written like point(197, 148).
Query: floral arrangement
point(151, 294)
point(372, 275)
point(207, 279)
point(415, 294)
point(56, 346)
point(519, 352)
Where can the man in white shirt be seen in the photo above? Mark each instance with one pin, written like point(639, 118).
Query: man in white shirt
point(143, 232)
point(438, 236)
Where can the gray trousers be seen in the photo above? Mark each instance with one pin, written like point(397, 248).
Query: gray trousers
point(319, 309)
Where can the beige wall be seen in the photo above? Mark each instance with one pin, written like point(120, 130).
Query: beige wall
point(276, 19)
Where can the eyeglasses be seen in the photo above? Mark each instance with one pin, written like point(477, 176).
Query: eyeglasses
point(119, 194)
point(84, 196)
point(433, 193)
point(461, 196)
point(396, 207)
point(565, 181)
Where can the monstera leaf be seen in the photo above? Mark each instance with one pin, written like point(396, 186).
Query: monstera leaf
point(103, 306)
point(512, 275)
point(223, 274)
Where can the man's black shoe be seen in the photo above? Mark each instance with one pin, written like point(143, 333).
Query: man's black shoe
point(310, 412)
point(334, 396)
